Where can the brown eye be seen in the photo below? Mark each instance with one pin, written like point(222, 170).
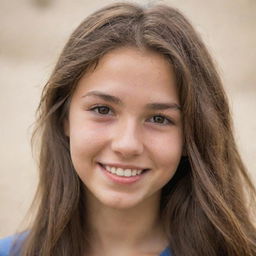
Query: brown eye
point(159, 119)
point(102, 110)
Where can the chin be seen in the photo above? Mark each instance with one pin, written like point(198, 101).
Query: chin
point(120, 202)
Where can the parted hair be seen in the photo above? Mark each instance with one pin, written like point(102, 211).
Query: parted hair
point(206, 207)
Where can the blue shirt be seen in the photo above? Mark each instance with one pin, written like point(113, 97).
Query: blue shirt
point(6, 243)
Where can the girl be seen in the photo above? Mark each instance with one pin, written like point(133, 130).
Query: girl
point(137, 155)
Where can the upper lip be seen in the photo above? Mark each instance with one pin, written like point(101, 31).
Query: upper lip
point(124, 166)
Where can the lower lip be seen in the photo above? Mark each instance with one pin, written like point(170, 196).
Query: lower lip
point(122, 179)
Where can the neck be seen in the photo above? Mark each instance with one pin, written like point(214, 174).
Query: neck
point(131, 229)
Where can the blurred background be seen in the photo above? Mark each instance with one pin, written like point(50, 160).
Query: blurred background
point(32, 34)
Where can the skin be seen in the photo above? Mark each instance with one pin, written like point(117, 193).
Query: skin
point(129, 133)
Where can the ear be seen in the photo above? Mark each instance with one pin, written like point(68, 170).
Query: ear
point(66, 127)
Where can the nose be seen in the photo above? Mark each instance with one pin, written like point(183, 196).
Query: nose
point(126, 140)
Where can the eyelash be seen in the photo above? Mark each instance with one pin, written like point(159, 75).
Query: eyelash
point(166, 120)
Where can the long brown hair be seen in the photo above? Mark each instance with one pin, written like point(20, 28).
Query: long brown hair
point(205, 207)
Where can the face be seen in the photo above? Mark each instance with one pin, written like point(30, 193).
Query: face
point(125, 128)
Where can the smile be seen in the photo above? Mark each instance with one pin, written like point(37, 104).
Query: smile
point(123, 172)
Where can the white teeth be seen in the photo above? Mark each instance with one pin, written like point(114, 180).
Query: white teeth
point(134, 172)
point(120, 172)
point(123, 172)
point(139, 171)
point(128, 173)
point(112, 169)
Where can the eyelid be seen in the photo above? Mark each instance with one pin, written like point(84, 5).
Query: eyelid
point(95, 106)
point(169, 120)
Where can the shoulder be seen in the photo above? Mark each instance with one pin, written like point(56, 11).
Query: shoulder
point(7, 242)
point(166, 252)
point(5, 245)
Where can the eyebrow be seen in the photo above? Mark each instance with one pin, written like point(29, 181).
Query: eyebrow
point(163, 106)
point(116, 100)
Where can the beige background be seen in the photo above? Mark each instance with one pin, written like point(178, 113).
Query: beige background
point(32, 33)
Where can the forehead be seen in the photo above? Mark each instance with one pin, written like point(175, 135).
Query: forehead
point(136, 60)
point(130, 70)
point(131, 54)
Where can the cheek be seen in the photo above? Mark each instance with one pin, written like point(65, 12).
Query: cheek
point(86, 141)
point(167, 148)
point(166, 152)
point(167, 157)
